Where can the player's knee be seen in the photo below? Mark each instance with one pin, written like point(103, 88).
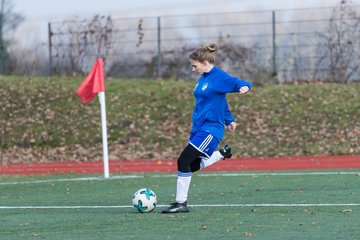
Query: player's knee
point(183, 164)
point(188, 155)
point(195, 165)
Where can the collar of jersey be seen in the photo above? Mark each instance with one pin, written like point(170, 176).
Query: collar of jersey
point(205, 74)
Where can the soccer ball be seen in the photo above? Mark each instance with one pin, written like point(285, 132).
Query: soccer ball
point(144, 200)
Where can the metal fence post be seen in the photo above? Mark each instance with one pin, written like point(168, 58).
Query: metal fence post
point(158, 48)
point(274, 71)
point(4, 55)
point(50, 50)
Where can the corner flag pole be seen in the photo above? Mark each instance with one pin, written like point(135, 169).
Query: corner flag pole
point(104, 134)
point(94, 83)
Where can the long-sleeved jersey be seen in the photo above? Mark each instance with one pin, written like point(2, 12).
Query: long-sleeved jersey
point(211, 112)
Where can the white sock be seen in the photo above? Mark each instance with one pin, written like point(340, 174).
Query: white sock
point(182, 188)
point(205, 162)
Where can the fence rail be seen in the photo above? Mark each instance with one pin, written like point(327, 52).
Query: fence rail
point(285, 45)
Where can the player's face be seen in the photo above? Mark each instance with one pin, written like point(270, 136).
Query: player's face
point(197, 67)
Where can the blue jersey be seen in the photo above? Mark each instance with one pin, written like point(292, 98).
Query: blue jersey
point(211, 112)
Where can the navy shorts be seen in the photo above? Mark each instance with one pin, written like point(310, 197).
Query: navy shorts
point(204, 142)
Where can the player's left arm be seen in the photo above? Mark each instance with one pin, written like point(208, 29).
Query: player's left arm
point(229, 119)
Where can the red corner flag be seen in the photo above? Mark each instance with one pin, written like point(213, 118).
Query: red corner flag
point(93, 83)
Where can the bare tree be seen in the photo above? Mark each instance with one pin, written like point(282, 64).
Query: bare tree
point(76, 44)
point(9, 20)
point(339, 46)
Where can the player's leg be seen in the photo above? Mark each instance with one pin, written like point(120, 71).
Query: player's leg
point(200, 144)
point(224, 152)
point(203, 161)
point(188, 155)
point(184, 172)
point(196, 165)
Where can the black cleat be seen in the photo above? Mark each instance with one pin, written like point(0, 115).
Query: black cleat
point(226, 151)
point(177, 208)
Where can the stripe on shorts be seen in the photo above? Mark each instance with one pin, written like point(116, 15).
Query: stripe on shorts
point(206, 142)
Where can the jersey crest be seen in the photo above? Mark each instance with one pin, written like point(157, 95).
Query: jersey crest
point(204, 87)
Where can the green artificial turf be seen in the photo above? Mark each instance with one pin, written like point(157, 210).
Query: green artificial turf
point(102, 208)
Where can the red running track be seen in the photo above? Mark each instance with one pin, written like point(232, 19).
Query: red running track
point(235, 164)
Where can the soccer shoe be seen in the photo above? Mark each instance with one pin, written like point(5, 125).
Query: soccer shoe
point(226, 151)
point(177, 208)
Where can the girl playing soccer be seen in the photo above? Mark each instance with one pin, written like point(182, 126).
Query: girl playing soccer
point(210, 116)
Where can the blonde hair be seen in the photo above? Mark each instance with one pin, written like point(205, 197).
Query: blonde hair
point(205, 53)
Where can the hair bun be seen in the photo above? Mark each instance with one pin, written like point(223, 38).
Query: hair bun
point(211, 47)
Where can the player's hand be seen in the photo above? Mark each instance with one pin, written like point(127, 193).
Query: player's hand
point(244, 89)
point(232, 126)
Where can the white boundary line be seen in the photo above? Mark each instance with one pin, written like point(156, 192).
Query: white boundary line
point(174, 175)
point(279, 174)
point(196, 206)
point(73, 179)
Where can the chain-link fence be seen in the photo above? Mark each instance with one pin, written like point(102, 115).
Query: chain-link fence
point(319, 44)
